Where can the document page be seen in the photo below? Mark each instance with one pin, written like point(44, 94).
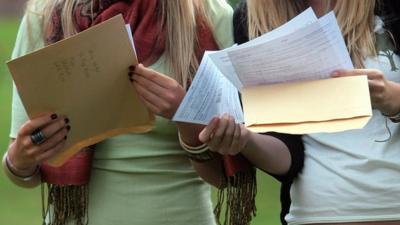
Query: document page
point(223, 62)
point(210, 95)
point(306, 54)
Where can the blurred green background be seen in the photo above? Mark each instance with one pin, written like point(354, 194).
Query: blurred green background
point(23, 206)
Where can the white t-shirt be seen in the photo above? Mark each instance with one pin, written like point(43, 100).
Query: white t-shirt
point(351, 176)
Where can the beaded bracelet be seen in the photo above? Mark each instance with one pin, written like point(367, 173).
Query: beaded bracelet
point(199, 153)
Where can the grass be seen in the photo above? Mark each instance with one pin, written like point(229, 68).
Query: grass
point(23, 206)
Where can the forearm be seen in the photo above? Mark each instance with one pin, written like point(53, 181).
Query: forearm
point(211, 171)
point(394, 102)
point(268, 153)
point(190, 133)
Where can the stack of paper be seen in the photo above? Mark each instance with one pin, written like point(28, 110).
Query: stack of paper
point(284, 78)
point(86, 78)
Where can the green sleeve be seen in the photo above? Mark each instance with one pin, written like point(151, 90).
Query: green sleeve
point(29, 38)
point(221, 15)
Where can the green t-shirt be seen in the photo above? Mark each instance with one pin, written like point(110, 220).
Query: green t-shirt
point(139, 178)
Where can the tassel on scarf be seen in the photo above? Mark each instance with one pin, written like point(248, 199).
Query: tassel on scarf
point(67, 191)
point(240, 192)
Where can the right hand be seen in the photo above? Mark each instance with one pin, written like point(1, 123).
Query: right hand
point(225, 136)
point(25, 156)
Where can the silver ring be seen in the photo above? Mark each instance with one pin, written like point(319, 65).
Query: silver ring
point(38, 137)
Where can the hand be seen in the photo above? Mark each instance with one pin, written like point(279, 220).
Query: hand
point(224, 136)
point(160, 93)
point(25, 156)
point(384, 93)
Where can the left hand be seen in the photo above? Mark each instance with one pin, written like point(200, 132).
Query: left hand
point(224, 136)
point(161, 94)
point(384, 93)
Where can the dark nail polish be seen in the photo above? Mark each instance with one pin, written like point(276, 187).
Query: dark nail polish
point(65, 138)
point(54, 116)
point(131, 79)
point(132, 67)
point(66, 120)
point(130, 74)
point(68, 127)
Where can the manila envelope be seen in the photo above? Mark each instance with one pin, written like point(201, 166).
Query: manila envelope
point(84, 77)
point(329, 105)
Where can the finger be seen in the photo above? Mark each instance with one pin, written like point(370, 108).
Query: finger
point(235, 146)
point(149, 105)
point(150, 97)
point(50, 143)
point(218, 134)
point(51, 152)
point(154, 76)
point(54, 126)
point(132, 68)
point(228, 136)
point(206, 133)
point(150, 86)
point(371, 73)
point(376, 86)
point(31, 125)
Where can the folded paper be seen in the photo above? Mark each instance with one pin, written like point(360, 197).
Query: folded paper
point(84, 77)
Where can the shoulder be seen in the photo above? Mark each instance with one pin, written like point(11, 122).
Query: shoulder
point(221, 15)
point(218, 9)
point(30, 35)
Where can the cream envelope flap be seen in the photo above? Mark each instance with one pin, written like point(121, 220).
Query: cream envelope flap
point(328, 105)
point(86, 78)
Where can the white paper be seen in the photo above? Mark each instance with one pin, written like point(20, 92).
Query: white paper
point(224, 64)
point(209, 95)
point(305, 48)
point(310, 53)
point(128, 29)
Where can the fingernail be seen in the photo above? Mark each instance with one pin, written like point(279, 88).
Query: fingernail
point(132, 67)
point(66, 120)
point(65, 138)
point(130, 74)
point(54, 116)
point(68, 127)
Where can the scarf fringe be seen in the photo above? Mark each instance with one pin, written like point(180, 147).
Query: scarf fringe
point(65, 203)
point(240, 194)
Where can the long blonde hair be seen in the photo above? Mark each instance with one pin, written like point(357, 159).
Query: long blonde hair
point(179, 19)
point(355, 18)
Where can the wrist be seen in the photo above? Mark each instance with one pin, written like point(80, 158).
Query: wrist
point(249, 146)
point(17, 169)
point(394, 107)
point(190, 132)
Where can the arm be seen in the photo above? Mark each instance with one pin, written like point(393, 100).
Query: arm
point(162, 96)
point(277, 154)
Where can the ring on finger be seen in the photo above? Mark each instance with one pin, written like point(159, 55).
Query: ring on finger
point(38, 137)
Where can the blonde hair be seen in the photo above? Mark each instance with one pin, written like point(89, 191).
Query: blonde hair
point(179, 18)
point(355, 18)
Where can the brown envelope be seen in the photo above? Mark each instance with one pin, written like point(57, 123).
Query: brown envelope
point(86, 78)
point(329, 105)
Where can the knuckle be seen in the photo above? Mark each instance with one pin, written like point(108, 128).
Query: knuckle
point(218, 134)
point(229, 133)
point(26, 142)
point(236, 136)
